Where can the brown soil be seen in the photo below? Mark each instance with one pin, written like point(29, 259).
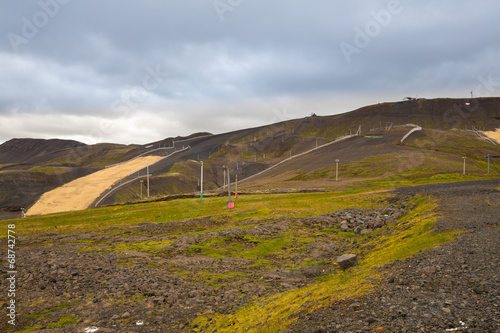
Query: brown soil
point(80, 193)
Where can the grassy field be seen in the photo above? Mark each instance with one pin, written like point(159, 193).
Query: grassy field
point(246, 206)
point(287, 250)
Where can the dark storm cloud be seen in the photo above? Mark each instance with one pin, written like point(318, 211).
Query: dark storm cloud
point(217, 65)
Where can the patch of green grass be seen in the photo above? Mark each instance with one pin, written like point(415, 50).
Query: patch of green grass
point(262, 263)
point(267, 247)
point(213, 279)
point(49, 170)
point(153, 264)
point(320, 174)
point(372, 166)
point(125, 263)
point(221, 152)
point(311, 262)
point(217, 252)
point(396, 181)
point(310, 132)
point(148, 246)
point(247, 206)
point(64, 322)
point(412, 233)
point(46, 312)
point(248, 155)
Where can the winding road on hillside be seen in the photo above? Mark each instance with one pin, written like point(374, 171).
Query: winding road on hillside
point(80, 193)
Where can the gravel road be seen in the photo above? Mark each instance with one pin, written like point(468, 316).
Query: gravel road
point(453, 287)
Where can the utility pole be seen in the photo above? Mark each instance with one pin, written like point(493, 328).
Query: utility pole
point(337, 170)
point(488, 164)
point(236, 188)
point(147, 170)
point(142, 181)
point(230, 203)
point(224, 177)
point(464, 163)
point(201, 183)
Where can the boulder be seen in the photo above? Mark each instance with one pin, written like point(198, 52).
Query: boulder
point(346, 261)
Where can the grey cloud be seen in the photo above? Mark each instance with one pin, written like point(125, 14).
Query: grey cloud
point(94, 55)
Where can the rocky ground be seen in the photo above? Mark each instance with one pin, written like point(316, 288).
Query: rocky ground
point(455, 287)
point(158, 277)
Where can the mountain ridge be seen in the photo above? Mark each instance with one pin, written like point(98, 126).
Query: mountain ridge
point(56, 162)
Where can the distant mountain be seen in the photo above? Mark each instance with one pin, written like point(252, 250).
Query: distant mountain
point(23, 150)
point(30, 167)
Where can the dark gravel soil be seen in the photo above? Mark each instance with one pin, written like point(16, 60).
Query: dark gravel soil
point(454, 287)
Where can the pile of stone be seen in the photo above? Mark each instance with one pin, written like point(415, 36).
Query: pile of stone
point(364, 221)
point(356, 220)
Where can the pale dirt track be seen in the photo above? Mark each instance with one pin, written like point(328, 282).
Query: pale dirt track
point(493, 135)
point(80, 193)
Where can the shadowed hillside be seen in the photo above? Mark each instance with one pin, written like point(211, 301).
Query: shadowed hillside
point(251, 151)
point(23, 150)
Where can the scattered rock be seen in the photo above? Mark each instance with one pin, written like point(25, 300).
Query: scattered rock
point(366, 231)
point(346, 261)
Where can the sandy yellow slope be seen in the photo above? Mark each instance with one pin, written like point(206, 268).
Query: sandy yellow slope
point(494, 135)
point(81, 192)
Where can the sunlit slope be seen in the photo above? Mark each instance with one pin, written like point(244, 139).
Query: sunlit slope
point(494, 135)
point(81, 192)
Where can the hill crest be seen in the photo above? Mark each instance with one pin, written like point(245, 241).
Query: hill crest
point(22, 150)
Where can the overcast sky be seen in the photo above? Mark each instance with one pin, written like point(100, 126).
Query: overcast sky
point(139, 71)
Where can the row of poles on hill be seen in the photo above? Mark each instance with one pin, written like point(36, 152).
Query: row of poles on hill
point(230, 203)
